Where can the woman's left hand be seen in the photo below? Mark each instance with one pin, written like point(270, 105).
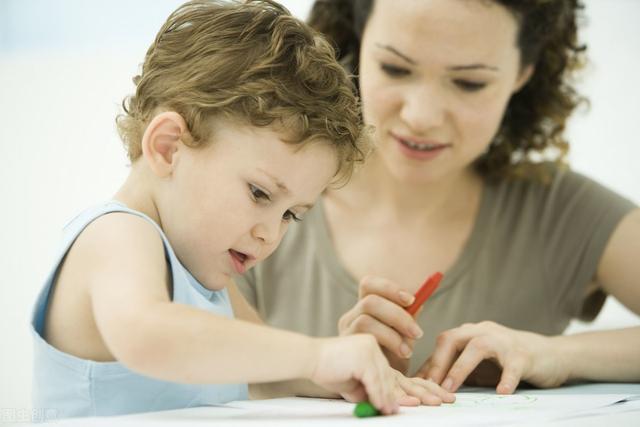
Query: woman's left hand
point(489, 354)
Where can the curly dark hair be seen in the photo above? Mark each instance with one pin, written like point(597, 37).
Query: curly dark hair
point(536, 116)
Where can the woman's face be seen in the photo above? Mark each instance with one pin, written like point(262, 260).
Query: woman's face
point(435, 79)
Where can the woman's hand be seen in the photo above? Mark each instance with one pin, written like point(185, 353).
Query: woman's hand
point(489, 354)
point(380, 311)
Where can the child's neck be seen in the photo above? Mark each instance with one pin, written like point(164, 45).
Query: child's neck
point(137, 193)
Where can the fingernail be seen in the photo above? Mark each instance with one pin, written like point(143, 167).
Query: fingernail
point(448, 384)
point(406, 297)
point(416, 332)
point(405, 350)
point(504, 388)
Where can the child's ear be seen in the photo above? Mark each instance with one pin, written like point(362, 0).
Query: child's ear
point(162, 140)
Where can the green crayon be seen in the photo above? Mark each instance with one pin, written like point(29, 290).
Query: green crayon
point(365, 409)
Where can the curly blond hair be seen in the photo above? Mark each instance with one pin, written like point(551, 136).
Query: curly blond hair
point(251, 61)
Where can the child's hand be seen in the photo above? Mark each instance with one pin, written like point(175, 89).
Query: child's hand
point(355, 367)
point(417, 391)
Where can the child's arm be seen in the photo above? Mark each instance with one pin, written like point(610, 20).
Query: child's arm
point(148, 333)
point(299, 387)
point(412, 391)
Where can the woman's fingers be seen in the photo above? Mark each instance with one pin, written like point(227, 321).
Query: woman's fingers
point(486, 374)
point(512, 371)
point(392, 326)
point(449, 344)
point(482, 352)
point(386, 336)
point(372, 285)
point(390, 314)
point(475, 351)
point(380, 311)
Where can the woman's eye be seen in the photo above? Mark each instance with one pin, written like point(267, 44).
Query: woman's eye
point(257, 193)
point(470, 86)
point(393, 71)
point(288, 216)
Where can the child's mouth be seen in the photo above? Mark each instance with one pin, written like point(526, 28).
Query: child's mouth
point(238, 259)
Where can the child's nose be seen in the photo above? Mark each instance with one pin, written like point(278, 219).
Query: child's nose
point(266, 232)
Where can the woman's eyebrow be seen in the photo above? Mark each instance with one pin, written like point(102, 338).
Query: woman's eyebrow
point(396, 52)
point(477, 66)
point(466, 67)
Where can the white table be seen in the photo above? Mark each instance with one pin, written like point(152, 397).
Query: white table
point(569, 406)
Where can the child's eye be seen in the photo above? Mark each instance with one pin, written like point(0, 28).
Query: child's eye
point(393, 71)
point(288, 216)
point(258, 194)
point(469, 85)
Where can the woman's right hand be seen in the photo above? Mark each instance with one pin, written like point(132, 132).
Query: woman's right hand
point(381, 312)
point(355, 367)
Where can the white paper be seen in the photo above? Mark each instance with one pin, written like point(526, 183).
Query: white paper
point(469, 409)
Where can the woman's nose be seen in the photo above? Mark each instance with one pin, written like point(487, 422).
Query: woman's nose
point(423, 109)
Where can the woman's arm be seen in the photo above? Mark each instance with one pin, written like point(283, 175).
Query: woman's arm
point(612, 355)
point(550, 361)
point(487, 353)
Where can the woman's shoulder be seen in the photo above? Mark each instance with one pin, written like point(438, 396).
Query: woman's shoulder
point(554, 195)
point(550, 182)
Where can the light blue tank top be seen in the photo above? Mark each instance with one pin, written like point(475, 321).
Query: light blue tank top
point(74, 387)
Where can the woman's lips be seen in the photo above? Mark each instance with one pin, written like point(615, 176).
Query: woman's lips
point(419, 149)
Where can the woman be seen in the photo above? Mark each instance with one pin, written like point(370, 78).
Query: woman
point(463, 95)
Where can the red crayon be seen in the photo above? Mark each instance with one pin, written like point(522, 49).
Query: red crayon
point(425, 291)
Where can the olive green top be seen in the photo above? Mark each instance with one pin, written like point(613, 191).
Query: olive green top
point(532, 252)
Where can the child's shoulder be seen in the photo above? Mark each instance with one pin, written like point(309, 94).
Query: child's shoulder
point(115, 256)
point(114, 241)
point(117, 226)
point(120, 235)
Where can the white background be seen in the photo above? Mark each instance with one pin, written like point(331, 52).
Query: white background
point(65, 67)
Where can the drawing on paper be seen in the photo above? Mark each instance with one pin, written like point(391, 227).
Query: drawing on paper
point(517, 401)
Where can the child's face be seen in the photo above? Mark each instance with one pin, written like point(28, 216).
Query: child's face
point(227, 206)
